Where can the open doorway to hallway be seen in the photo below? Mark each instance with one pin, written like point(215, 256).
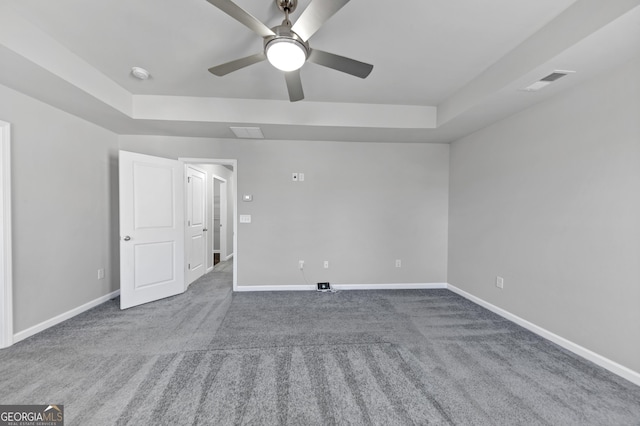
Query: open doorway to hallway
point(220, 249)
point(154, 211)
point(220, 216)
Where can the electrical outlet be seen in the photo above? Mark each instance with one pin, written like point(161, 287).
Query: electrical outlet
point(398, 263)
point(324, 287)
point(301, 177)
point(499, 282)
point(326, 264)
point(301, 264)
point(101, 273)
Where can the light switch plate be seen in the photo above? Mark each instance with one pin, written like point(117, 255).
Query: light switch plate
point(245, 218)
point(247, 197)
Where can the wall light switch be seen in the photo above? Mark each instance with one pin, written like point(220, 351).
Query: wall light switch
point(245, 218)
point(326, 264)
point(247, 197)
point(499, 282)
point(294, 177)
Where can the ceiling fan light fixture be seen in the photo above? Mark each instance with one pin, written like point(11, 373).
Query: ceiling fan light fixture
point(286, 54)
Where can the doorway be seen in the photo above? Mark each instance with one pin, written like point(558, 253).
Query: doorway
point(219, 217)
point(153, 207)
point(221, 212)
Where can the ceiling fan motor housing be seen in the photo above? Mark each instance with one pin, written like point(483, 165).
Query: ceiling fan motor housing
point(288, 5)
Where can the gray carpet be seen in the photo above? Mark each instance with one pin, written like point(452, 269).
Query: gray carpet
point(397, 357)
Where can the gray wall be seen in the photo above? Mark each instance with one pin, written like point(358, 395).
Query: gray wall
point(361, 206)
point(550, 200)
point(64, 209)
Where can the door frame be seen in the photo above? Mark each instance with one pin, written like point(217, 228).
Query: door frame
point(223, 215)
point(6, 274)
point(234, 181)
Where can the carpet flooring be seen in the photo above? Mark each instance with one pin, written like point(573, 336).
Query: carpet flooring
point(399, 357)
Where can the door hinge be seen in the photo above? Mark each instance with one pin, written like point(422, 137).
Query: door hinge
point(188, 179)
point(188, 223)
point(189, 266)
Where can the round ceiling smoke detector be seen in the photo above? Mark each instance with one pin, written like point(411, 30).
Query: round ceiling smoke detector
point(140, 73)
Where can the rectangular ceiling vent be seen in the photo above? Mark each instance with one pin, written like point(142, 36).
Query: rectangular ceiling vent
point(247, 132)
point(545, 81)
point(554, 76)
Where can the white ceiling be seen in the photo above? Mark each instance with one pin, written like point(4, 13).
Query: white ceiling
point(441, 68)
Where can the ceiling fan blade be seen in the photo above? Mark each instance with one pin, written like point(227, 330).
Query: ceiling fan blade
point(340, 63)
point(242, 16)
point(294, 85)
point(228, 67)
point(315, 15)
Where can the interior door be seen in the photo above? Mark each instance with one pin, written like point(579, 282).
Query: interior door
point(151, 228)
point(196, 222)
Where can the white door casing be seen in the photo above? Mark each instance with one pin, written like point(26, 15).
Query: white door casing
point(196, 245)
point(6, 281)
point(224, 253)
point(222, 218)
point(151, 228)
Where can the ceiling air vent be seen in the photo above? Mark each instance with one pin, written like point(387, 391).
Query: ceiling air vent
point(545, 81)
point(247, 132)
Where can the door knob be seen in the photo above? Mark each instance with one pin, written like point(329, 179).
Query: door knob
point(205, 230)
point(127, 238)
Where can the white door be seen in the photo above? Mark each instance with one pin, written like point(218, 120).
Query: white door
point(151, 228)
point(196, 222)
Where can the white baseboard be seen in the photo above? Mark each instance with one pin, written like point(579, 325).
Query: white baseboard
point(229, 257)
point(614, 367)
point(399, 286)
point(63, 317)
point(311, 287)
point(304, 287)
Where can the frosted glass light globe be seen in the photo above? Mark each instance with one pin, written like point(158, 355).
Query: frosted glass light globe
point(286, 54)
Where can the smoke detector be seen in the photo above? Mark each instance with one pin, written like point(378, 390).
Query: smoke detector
point(140, 73)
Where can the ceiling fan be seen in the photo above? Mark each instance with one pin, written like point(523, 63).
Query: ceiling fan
point(286, 47)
